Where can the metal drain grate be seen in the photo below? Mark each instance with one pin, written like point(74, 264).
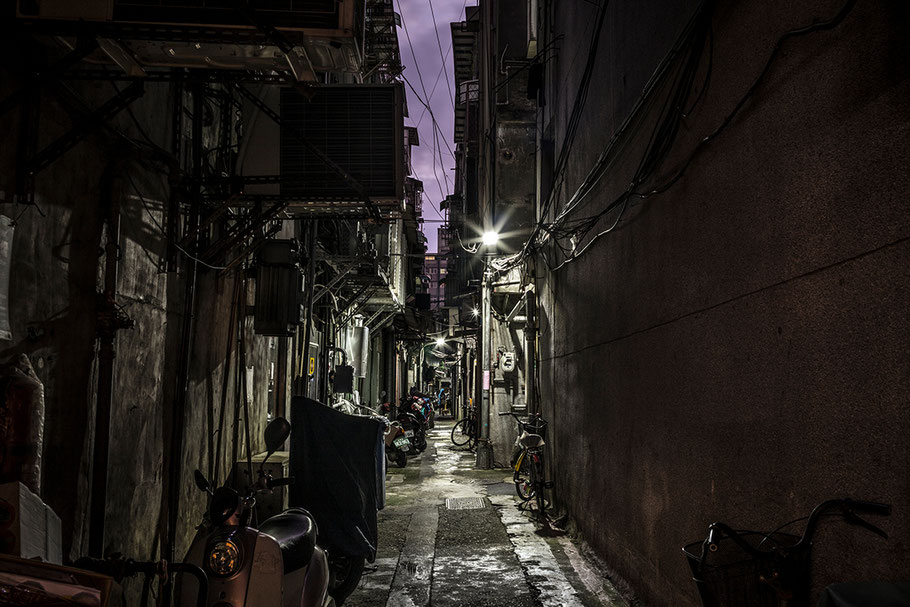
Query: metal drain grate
point(465, 503)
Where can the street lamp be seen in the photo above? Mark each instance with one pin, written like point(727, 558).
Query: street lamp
point(490, 238)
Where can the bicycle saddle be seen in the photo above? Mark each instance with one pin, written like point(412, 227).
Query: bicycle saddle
point(531, 441)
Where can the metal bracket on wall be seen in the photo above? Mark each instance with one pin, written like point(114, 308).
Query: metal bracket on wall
point(301, 67)
point(243, 230)
point(83, 129)
point(53, 72)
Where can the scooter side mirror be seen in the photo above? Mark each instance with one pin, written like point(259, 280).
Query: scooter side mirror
point(201, 481)
point(278, 431)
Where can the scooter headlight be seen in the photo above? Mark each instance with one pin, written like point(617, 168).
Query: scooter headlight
point(224, 558)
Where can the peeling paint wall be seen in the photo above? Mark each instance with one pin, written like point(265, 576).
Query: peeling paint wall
point(736, 349)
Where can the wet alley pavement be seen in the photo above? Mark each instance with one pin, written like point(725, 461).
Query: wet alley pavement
point(452, 535)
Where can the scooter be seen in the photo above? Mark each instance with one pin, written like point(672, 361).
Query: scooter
point(397, 445)
point(277, 565)
point(414, 429)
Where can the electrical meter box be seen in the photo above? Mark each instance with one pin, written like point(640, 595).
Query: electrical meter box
point(267, 504)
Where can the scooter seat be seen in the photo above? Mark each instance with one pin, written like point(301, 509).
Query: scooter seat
point(295, 531)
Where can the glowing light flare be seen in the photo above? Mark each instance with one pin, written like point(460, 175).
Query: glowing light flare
point(490, 238)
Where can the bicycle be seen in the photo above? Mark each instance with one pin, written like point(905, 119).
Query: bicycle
point(527, 462)
point(465, 430)
point(745, 568)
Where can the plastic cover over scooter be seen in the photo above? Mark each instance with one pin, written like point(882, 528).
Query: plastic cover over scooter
point(334, 461)
point(865, 594)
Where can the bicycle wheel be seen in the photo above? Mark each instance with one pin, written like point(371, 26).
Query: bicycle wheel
point(461, 433)
point(522, 479)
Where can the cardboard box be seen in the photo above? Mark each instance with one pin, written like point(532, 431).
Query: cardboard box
point(28, 527)
point(25, 582)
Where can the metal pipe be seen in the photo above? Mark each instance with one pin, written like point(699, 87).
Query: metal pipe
point(484, 449)
point(186, 339)
point(518, 305)
point(310, 283)
point(107, 326)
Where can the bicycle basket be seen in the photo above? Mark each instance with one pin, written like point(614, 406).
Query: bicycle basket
point(732, 577)
point(535, 425)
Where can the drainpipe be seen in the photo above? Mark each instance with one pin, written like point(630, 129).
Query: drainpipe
point(484, 448)
point(178, 414)
point(109, 320)
point(304, 387)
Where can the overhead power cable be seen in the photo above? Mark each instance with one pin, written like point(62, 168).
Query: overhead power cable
point(663, 143)
point(439, 44)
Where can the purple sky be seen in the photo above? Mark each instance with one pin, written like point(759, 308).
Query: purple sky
point(417, 15)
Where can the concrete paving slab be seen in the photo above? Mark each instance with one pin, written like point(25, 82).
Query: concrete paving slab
point(452, 536)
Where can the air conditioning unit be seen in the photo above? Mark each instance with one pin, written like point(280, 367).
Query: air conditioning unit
point(359, 127)
point(327, 34)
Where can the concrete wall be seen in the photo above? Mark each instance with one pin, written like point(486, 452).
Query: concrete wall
point(56, 271)
point(508, 392)
point(736, 349)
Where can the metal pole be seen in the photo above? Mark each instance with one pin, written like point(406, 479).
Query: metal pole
point(484, 448)
point(304, 385)
point(107, 329)
point(178, 414)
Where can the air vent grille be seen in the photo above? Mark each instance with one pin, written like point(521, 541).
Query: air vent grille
point(357, 127)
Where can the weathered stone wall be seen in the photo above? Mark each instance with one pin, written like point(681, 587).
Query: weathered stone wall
point(57, 268)
point(736, 349)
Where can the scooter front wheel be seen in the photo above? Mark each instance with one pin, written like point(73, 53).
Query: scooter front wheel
point(346, 574)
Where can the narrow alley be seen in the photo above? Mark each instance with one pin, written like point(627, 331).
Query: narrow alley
point(318, 303)
point(452, 535)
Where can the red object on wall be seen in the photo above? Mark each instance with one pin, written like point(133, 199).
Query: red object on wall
point(21, 424)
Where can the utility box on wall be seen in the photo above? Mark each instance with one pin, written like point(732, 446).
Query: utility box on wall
point(279, 282)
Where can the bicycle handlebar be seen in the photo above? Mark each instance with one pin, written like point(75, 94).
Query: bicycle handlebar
point(846, 506)
point(279, 482)
point(870, 507)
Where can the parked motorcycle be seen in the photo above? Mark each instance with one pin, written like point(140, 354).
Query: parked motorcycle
point(397, 445)
point(279, 564)
point(414, 429)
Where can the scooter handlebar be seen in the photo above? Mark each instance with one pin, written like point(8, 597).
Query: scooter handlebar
point(280, 482)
